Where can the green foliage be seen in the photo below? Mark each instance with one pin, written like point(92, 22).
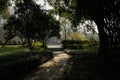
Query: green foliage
point(78, 44)
point(31, 22)
point(93, 43)
point(38, 46)
point(5, 13)
point(15, 53)
point(17, 61)
point(65, 15)
point(64, 8)
point(11, 49)
point(4, 9)
point(3, 5)
point(87, 50)
point(75, 44)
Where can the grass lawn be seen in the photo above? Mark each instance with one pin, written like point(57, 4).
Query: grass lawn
point(88, 50)
point(16, 61)
point(10, 49)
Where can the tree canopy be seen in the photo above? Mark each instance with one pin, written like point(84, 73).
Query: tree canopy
point(32, 23)
point(104, 13)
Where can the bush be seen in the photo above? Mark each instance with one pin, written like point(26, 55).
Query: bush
point(85, 45)
point(93, 43)
point(75, 44)
point(71, 41)
point(38, 46)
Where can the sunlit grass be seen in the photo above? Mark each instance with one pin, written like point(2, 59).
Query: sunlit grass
point(12, 49)
point(13, 53)
point(88, 50)
point(16, 61)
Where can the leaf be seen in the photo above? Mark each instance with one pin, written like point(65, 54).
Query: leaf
point(65, 15)
point(73, 3)
point(78, 36)
point(5, 13)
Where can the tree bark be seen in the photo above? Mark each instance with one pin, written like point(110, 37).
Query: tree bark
point(4, 43)
point(103, 40)
point(30, 44)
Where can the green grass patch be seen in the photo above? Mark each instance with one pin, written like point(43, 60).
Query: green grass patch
point(16, 61)
point(88, 50)
point(75, 44)
point(11, 49)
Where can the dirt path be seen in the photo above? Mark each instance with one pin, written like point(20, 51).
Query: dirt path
point(50, 70)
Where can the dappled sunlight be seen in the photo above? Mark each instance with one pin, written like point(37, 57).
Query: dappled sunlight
point(57, 59)
point(50, 70)
point(82, 67)
point(54, 46)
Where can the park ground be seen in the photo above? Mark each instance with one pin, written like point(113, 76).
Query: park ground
point(63, 65)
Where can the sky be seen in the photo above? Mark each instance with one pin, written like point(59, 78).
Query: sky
point(40, 2)
point(45, 6)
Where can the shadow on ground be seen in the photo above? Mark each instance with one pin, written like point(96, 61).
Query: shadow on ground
point(17, 67)
point(51, 70)
point(82, 67)
point(87, 66)
point(111, 67)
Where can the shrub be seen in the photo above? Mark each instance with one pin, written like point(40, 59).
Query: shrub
point(93, 43)
point(38, 45)
point(75, 44)
point(85, 45)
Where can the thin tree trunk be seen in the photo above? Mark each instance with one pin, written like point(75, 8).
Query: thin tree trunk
point(44, 44)
point(5, 43)
point(30, 44)
point(23, 42)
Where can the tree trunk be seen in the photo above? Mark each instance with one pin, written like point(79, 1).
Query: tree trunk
point(5, 43)
point(44, 44)
point(104, 41)
point(23, 42)
point(30, 44)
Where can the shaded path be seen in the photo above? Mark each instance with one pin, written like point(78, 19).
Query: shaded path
point(52, 69)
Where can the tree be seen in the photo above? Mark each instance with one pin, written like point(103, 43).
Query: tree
point(106, 16)
point(32, 23)
point(9, 26)
point(105, 13)
point(4, 10)
point(64, 10)
point(3, 5)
